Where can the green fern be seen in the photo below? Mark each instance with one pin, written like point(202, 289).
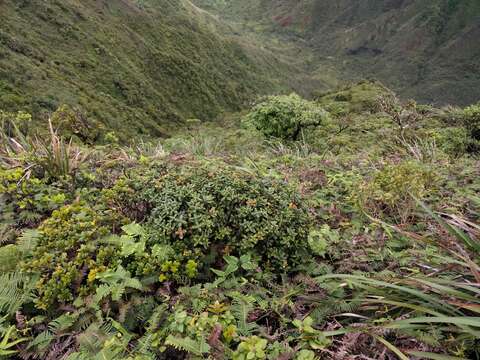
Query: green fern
point(156, 317)
point(85, 320)
point(10, 256)
point(144, 345)
point(62, 323)
point(115, 284)
point(104, 354)
point(91, 340)
point(27, 241)
point(42, 341)
point(241, 307)
point(332, 306)
point(16, 289)
point(186, 344)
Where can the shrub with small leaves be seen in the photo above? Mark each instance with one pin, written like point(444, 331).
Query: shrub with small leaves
point(12, 123)
point(286, 116)
point(26, 199)
point(68, 255)
point(454, 141)
point(72, 122)
point(206, 212)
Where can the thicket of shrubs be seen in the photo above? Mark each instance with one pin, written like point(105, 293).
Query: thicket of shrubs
point(290, 252)
point(192, 216)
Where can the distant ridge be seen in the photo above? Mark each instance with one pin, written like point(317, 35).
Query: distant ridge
point(429, 50)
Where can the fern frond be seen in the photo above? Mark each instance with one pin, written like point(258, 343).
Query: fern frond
point(27, 241)
point(240, 309)
point(144, 346)
point(16, 289)
point(117, 291)
point(10, 256)
point(102, 291)
point(42, 340)
point(29, 216)
point(92, 339)
point(107, 328)
point(156, 317)
point(62, 323)
point(84, 321)
point(189, 345)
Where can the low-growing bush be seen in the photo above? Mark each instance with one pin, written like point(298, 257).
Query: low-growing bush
point(68, 251)
point(26, 199)
point(471, 117)
point(286, 116)
point(393, 190)
point(193, 216)
point(73, 123)
point(206, 212)
point(10, 123)
point(454, 141)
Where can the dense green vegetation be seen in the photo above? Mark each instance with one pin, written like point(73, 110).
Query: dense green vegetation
point(427, 50)
point(183, 180)
point(357, 238)
point(286, 117)
point(138, 67)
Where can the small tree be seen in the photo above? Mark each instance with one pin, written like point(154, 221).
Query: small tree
point(285, 116)
point(404, 115)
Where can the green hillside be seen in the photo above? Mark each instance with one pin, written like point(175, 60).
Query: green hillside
point(426, 50)
point(226, 180)
point(136, 66)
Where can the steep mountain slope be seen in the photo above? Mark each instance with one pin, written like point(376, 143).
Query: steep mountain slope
point(428, 50)
point(424, 49)
point(137, 66)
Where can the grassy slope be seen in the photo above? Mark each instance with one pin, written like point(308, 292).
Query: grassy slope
point(139, 67)
point(426, 50)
